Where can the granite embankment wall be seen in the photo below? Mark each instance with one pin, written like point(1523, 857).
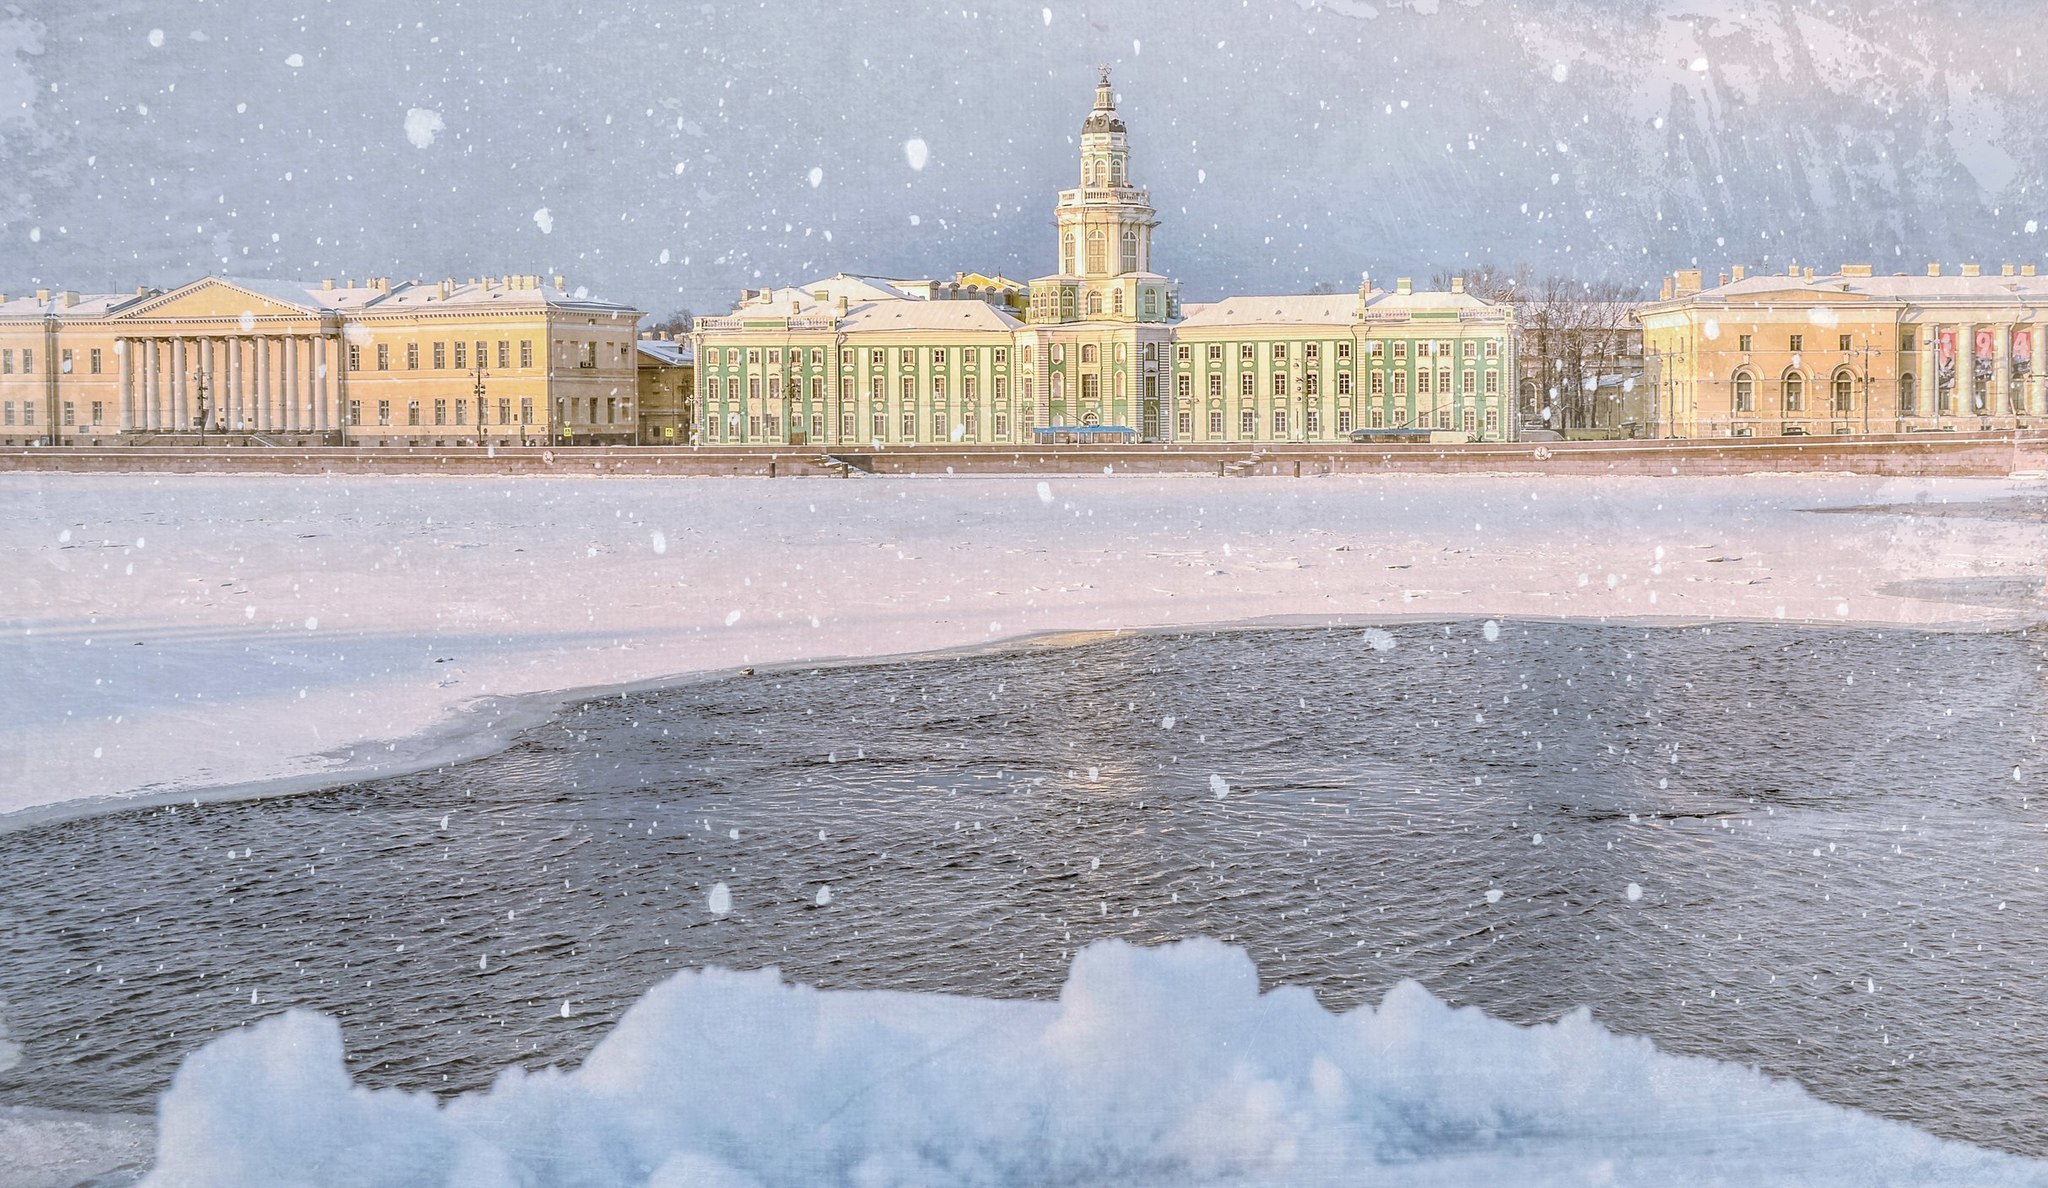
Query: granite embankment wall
point(1955, 454)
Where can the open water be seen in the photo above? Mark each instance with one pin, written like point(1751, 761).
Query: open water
point(1814, 850)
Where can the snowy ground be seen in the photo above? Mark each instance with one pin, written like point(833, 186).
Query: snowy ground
point(164, 634)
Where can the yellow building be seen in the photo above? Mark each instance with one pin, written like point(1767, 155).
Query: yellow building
point(1851, 352)
point(493, 361)
point(1103, 345)
point(668, 389)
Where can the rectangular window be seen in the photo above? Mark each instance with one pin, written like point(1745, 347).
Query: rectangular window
point(1343, 383)
point(7, 364)
point(1400, 348)
point(1401, 383)
point(1183, 352)
point(504, 410)
point(1343, 420)
point(1798, 343)
point(1002, 423)
point(482, 354)
point(1215, 422)
point(7, 416)
point(461, 355)
point(1906, 341)
point(355, 412)
point(440, 412)
point(938, 357)
point(1184, 386)
point(969, 356)
point(1493, 348)
point(28, 412)
point(526, 410)
point(1279, 385)
point(1215, 352)
point(876, 359)
point(461, 412)
point(383, 356)
point(846, 425)
point(1279, 422)
point(1471, 383)
point(412, 412)
point(28, 364)
point(64, 361)
point(878, 426)
point(754, 425)
point(1244, 384)
point(1312, 352)
point(1470, 348)
point(909, 425)
point(1314, 421)
point(1443, 347)
point(1244, 352)
point(1379, 383)
point(1493, 383)
point(907, 357)
point(526, 352)
point(99, 411)
point(1184, 424)
point(440, 356)
point(1375, 349)
point(1312, 384)
point(70, 413)
point(93, 361)
point(1247, 424)
point(1279, 352)
point(1343, 351)
point(1844, 343)
point(383, 412)
point(504, 354)
point(1215, 383)
point(412, 356)
point(774, 357)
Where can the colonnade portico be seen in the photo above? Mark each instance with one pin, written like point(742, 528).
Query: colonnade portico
point(256, 382)
point(2006, 394)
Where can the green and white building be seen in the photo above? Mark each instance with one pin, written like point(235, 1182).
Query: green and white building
point(1105, 341)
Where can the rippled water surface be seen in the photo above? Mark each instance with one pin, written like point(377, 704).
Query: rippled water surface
point(1812, 850)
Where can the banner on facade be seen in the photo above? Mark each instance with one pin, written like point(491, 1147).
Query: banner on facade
point(1982, 371)
point(1944, 368)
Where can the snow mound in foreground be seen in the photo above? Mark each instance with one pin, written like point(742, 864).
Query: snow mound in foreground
point(1155, 1066)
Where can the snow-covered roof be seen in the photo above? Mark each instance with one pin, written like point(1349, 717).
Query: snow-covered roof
point(1914, 289)
point(926, 315)
point(667, 351)
point(82, 305)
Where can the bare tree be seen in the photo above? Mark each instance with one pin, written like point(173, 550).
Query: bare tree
point(675, 323)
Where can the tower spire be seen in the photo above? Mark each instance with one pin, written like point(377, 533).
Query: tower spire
point(1105, 97)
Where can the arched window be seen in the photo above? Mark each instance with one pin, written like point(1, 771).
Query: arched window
point(1845, 392)
point(1745, 392)
point(1094, 303)
point(1130, 256)
point(1795, 391)
point(1909, 396)
point(1067, 254)
point(1098, 254)
point(1087, 352)
point(1116, 301)
point(1116, 171)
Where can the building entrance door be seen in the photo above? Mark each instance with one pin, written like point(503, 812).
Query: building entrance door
point(1151, 420)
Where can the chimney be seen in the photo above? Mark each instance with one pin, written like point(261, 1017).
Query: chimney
point(795, 308)
point(2005, 270)
point(327, 285)
point(1972, 270)
point(1721, 281)
point(1934, 270)
point(1739, 271)
point(142, 290)
point(1365, 282)
point(1808, 275)
point(1457, 284)
point(1404, 285)
point(1792, 270)
point(2026, 270)
point(1857, 270)
point(561, 282)
point(504, 281)
point(1685, 282)
point(71, 298)
point(42, 296)
point(1664, 293)
point(842, 305)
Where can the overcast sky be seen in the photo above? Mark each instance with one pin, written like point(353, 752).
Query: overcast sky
point(670, 154)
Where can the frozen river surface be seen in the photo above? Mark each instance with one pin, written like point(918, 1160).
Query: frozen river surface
point(1814, 850)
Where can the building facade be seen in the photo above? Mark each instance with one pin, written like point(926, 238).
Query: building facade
point(499, 361)
point(668, 390)
point(1850, 352)
point(1102, 342)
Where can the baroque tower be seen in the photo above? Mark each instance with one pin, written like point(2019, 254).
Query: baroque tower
point(1105, 235)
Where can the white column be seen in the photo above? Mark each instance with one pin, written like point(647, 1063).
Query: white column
point(145, 411)
point(2001, 372)
point(1966, 368)
point(180, 416)
point(330, 413)
point(259, 382)
point(2037, 399)
point(295, 383)
point(127, 383)
point(1927, 396)
point(237, 420)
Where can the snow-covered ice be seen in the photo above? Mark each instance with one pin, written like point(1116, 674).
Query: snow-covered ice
point(202, 631)
point(1160, 1066)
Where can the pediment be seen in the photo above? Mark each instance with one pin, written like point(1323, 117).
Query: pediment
point(212, 297)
